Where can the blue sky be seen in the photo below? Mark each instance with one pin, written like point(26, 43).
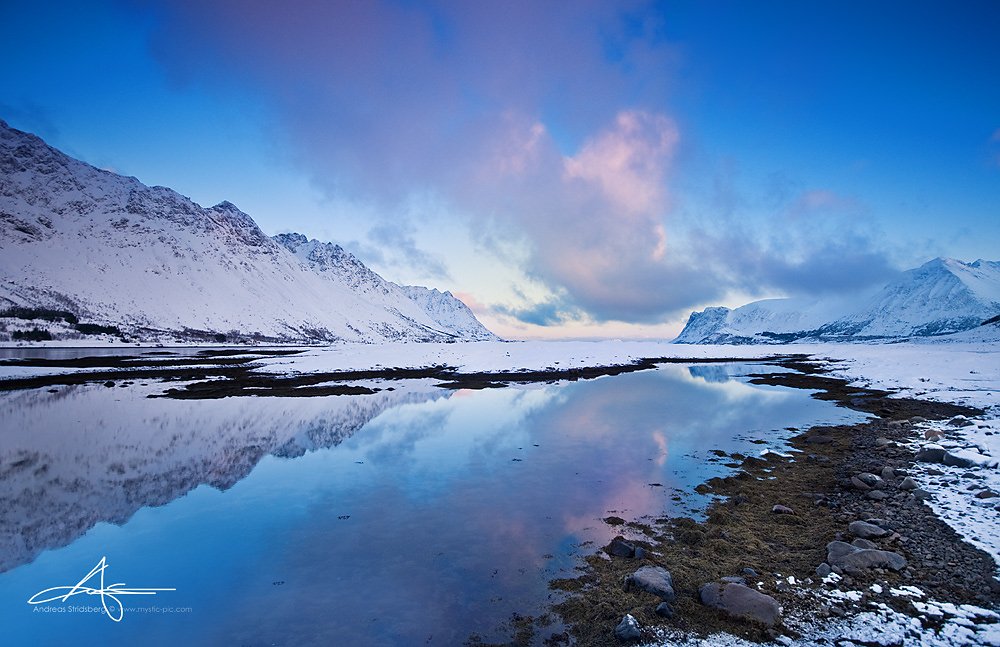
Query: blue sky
point(600, 170)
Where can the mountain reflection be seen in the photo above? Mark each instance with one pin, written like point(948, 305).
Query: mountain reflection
point(87, 454)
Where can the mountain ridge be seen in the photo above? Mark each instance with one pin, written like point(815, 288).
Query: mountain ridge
point(941, 297)
point(155, 265)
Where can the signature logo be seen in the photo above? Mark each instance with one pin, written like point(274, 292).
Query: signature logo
point(109, 594)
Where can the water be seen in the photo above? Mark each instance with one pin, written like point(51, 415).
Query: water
point(416, 516)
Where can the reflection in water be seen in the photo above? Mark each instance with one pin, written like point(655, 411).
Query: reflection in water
point(418, 518)
point(86, 454)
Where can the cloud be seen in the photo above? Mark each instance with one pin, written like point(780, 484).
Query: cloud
point(542, 125)
point(403, 250)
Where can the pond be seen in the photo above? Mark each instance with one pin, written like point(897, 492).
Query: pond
point(412, 516)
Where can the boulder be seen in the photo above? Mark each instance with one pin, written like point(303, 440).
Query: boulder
point(740, 601)
point(854, 561)
point(628, 629)
point(866, 530)
point(858, 483)
point(870, 479)
point(942, 456)
point(782, 509)
point(620, 548)
point(876, 495)
point(653, 579)
point(823, 570)
point(908, 484)
point(863, 543)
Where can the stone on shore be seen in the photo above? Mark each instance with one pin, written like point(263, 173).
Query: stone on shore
point(628, 629)
point(740, 601)
point(866, 530)
point(653, 579)
point(855, 561)
point(942, 456)
point(620, 548)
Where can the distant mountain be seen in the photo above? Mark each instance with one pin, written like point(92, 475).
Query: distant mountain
point(149, 263)
point(940, 297)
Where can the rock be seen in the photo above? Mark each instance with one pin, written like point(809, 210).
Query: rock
point(640, 552)
point(734, 579)
point(960, 421)
point(895, 425)
point(109, 384)
point(942, 456)
point(740, 601)
point(664, 610)
point(931, 455)
point(987, 494)
point(858, 483)
point(876, 495)
point(628, 629)
point(956, 461)
point(866, 530)
point(863, 543)
point(883, 442)
point(854, 561)
point(888, 474)
point(782, 509)
point(749, 572)
point(613, 521)
point(908, 484)
point(835, 552)
point(917, 419)
point(653, 579)
point(823, 570)
point(921, 494)
point(869, 479)
point(620, 548)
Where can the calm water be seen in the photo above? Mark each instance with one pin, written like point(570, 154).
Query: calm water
point(417, 516)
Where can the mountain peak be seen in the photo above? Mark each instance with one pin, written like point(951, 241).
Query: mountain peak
point(156, 265)
point(941, 296)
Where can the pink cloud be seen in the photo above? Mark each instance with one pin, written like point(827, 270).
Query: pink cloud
point(628, 162)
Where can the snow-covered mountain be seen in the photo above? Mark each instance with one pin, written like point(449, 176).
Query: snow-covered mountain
point(940, 297)
point(113, 251)
point(449, 312)
point(332, 261)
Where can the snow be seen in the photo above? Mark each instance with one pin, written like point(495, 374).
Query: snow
point(448, 312)
point(472, 357)
point(159, 266)
point(942, 296)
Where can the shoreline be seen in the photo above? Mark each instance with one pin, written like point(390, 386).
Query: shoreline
point(224, 373)
point(741, 531)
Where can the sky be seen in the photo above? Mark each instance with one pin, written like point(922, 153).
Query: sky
point(568, 169)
